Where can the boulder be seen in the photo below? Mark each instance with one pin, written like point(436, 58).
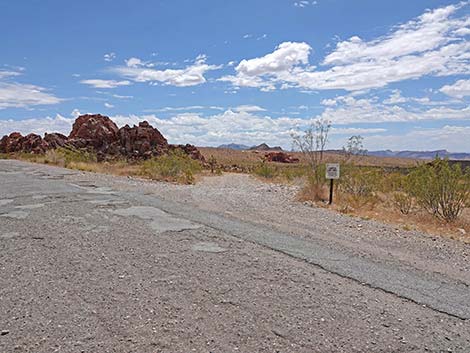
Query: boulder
point(96, 131)
point(190, 150)
point(55, 140)
point(280, 157)
point(141, 141)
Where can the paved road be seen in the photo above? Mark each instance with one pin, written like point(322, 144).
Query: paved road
point(85, 267)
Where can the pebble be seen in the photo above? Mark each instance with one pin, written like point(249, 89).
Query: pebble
point(4, 332)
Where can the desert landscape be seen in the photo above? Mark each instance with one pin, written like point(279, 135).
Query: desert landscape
point(235, 176)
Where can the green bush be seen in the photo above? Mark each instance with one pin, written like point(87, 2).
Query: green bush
point(441, 189)
point(266, 171)
point(66, 156)
point(360, 181)
point(174, 166)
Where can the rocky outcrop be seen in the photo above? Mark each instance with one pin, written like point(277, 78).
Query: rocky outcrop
point(15, 142)
point(190, 150)
point(280, 157)
point(55, 140)
point(99, 133)
point(141, 141)
point(96, 131)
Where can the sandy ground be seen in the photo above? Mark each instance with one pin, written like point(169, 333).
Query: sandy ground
point(85, 268)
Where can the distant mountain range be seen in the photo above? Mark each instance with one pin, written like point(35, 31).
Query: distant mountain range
point(240, 147)
point(235, 146)
point(384, 153)
point(420, 154)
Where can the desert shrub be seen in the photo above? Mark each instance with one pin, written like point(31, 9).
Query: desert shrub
point(403, 201)
point(174, 166)
point(358, 186)
point(4, 156)
point(292, 172)
point(265, 170)
point(314, 189)
point(212, 162)
point(441, 189)
point(399, 186)
point(67, 156)
point(359, 181)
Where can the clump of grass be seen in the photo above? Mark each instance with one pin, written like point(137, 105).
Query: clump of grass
point(175, 166)
point(265, 170)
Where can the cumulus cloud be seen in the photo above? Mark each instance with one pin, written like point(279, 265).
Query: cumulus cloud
point(97, 83)
point(434, 44)
point(455, 138)
point(37, 125)
point(20, 95)
point(459, 89)
point(351, 110)
point(192, 75)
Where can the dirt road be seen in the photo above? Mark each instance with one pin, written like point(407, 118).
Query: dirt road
point(95, 263)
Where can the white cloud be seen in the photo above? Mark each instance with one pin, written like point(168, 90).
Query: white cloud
point(19, 95)
point(97, 83)
point(249, 108)
point(450, 137)
point(305, 3)
point(192, 75)
point(5, 74)
point(118, 96)
point(250, 129)
point(37, 125)
point(432, 44)
point(108, 105)
point(350, 110)
point(109, 57)
point(459, 89)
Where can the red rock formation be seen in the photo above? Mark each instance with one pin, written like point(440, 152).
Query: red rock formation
point(101, 134)
point(97, 131)
point(280, 157)
point(55, 140)
point(141, 141)
point(15, 142)
point(190, 150)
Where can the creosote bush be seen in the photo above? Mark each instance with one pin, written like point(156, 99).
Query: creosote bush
point(175, 166)
point(441, 189)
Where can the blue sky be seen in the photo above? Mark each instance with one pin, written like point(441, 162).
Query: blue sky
point(213, 72)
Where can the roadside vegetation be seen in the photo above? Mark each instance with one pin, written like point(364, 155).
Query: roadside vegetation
point(174, 167)
point(432, 196)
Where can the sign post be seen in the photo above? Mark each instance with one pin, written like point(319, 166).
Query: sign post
point(332, 173)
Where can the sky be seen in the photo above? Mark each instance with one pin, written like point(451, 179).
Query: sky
point(212, 72)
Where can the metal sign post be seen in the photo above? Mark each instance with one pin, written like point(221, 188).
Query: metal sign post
point(332, 173)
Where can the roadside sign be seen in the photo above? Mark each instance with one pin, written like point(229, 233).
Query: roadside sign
point(332, 171)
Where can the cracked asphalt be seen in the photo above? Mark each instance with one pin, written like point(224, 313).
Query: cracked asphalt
point(89, 266)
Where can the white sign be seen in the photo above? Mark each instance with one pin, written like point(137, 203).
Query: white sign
point(332, 171)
